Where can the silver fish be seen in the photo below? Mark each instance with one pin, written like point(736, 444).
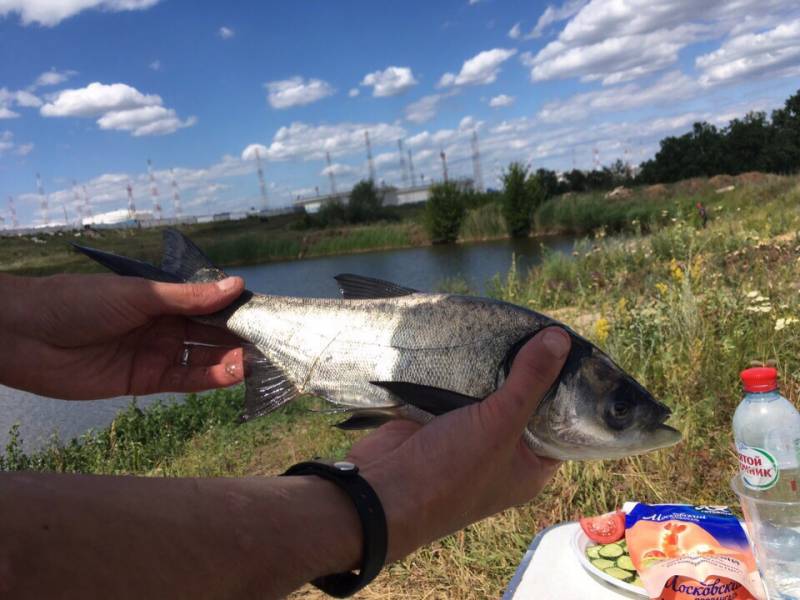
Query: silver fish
point(385, 351)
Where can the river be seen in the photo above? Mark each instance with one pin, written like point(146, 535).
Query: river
point(421, 268)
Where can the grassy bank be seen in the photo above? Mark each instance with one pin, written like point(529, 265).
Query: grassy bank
point(683, 309)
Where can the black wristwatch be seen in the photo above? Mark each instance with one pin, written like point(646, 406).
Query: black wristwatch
point(373, 523)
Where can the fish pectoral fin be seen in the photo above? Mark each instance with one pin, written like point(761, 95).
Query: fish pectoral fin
point(266, 386)
point(369, 418)
point(433, 400)
point(355, 287)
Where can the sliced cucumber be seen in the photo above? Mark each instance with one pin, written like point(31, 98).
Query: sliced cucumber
point(625, 562)
point(623, 543)
point(619, 573)
point(611, 551)
point(593, 551)
point(602, 563)
point(637, 582)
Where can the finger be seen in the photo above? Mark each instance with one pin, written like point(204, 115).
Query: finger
point(206, 356)
point(207, 334)
point(535, 369)
point(197, 379)
point(190, 298)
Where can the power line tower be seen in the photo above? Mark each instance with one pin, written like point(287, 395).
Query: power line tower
point(443, 156)
point(78, 207)
point(262, 186)
point(330, 173)
point(176, 195)
point(131, 204)
point(87, 208)
point(154, 190)
point(370, 162)
point(574, 166)
point(42, 198)
point(411, 168)
point(12, 209)
point(595, 159)
point(477, 174)
point(402, 162)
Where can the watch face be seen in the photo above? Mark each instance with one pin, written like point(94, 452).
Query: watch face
point(343, 465)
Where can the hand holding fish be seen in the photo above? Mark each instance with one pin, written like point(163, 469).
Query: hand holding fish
point(467, 464)
point(81, 337)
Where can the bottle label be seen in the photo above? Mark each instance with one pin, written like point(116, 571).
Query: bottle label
point(758, 467)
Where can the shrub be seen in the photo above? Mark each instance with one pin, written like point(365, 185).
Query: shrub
point(444, 213)
point(522, 194)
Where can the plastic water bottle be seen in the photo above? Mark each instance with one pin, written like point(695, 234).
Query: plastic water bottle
point(766, 430)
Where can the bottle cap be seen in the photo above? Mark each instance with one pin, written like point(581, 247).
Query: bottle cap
point(760, 379)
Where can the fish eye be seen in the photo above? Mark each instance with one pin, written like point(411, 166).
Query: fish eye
point(618, 413)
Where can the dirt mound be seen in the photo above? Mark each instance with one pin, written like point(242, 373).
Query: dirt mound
point(655, 191)
point(719, 181)
point(693, 185)
point(751, 177)
point(620, 192)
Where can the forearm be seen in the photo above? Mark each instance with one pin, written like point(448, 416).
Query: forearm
point(89, 536)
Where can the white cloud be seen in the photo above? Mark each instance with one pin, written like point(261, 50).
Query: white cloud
point(554, 14)
point(481, 69)
point(337, 169)
point(385, 158)
point(419, 139)
point(155, 65)
point(146, 120)
point(7, 144)
point(501, 101)
point(614, 41)
point(754, 55)
point(52, 12)
point(226, 33)
point(668, 89)
point(52, 77)
point(311, 142)
point(515, 32)
point(96, 99)
point(390, 82)
point(7, 113)
point(119, 107)
point(24, 149)
point(353, 92)
point(423, 109)
point(296, 91)
point(21, 98)
point(25, 98)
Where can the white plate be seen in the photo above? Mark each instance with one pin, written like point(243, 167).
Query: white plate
point(579, 544)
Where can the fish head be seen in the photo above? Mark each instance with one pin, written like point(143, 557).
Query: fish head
point(595, 410)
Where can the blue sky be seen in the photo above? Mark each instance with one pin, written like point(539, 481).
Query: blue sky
point(90, 89)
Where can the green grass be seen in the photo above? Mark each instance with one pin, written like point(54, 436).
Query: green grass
point(675, 308)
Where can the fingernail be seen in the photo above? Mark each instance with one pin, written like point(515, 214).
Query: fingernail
point(556, 342)
point(227, 284)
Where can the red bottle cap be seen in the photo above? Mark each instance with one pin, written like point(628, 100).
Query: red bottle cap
point(760, 379)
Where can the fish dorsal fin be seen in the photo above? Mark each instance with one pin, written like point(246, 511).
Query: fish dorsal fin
point(185, 260)
point(433, 400)
point(355, 287)
point(266, 386)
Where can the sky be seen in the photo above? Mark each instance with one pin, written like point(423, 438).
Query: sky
point(90, 90)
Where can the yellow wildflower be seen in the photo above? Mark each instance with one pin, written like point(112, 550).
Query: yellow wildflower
point(622, 305)
point(676, 271)
point(662, 288)
point(601, 330)
point(696, 268)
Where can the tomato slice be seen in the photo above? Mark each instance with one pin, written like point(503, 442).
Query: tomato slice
point(604, 529)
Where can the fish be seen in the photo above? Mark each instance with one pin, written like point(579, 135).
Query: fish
point(385, 351)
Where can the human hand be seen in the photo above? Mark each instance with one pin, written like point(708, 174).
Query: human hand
point(467, 464)
point(82, 337)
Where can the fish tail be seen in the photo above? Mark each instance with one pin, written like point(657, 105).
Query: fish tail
point(181, 262)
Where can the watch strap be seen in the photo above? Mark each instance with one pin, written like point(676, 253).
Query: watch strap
point(373, 524)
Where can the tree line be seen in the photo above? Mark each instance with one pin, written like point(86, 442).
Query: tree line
point(753, 143)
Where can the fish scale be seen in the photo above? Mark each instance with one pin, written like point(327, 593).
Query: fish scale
point(385, 351)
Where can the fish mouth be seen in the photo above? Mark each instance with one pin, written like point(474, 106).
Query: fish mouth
point(663, 436)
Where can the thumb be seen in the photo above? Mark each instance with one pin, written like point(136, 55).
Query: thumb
point(534, 371)
point(191, 298)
